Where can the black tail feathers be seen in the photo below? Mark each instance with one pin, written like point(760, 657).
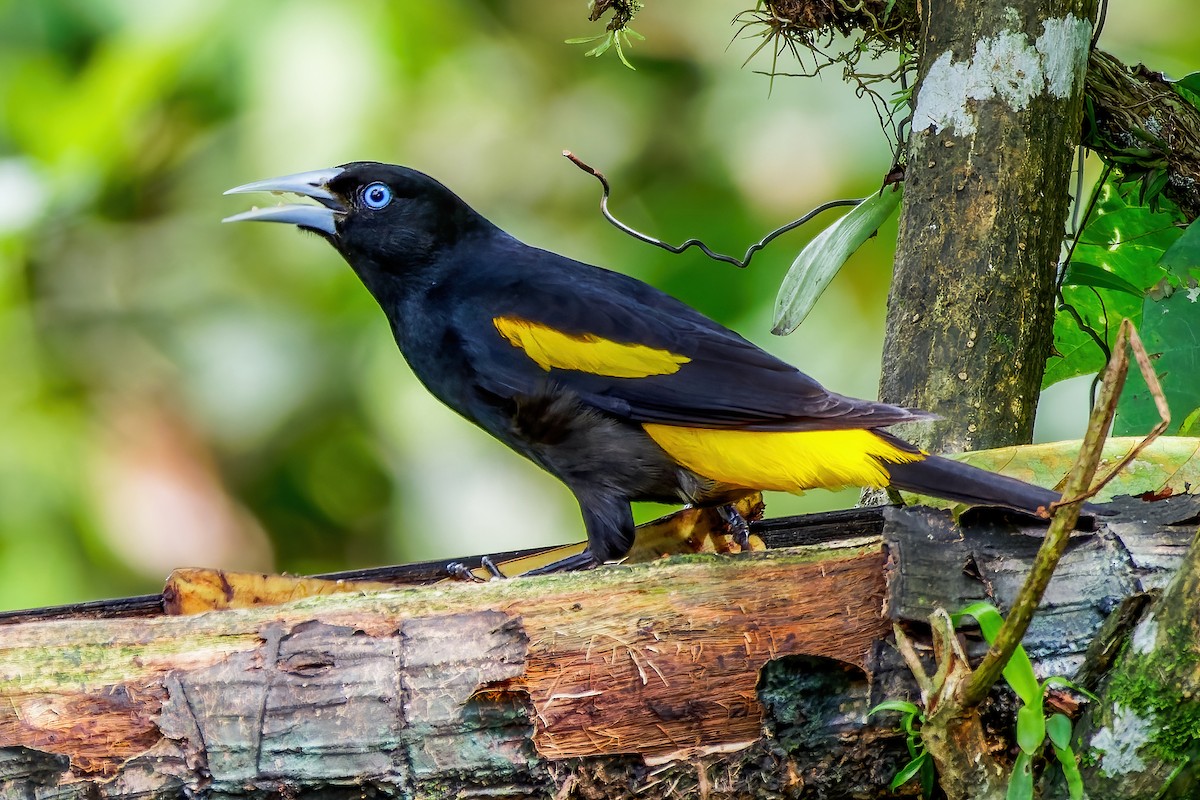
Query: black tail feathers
point(952, 480)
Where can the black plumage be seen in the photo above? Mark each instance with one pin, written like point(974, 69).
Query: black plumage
point(447, 279)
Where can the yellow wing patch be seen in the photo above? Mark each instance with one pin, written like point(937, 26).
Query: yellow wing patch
point(587, 352)
point(784, 461)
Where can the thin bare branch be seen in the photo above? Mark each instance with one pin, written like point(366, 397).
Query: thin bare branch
point(741, 263)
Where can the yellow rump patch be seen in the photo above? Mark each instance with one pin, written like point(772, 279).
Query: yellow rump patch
point(586, 352)
point(784, 461)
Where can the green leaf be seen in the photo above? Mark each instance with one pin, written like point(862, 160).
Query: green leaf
point(1170, 330)
point(908, 771)
point(1080, 273)
point(616, 39)
point(928, 778)
point(1020, 784)
point(1077, 352)
point(1184, 255)
point(1153, 185)
point(1126, 238)
point(822, 257)
point(1070, 768)
point(1189, 88)
point(1018, 672)
point(602, 48)
point(1031, 728)
point(1119, 218)
point(902, 706)
point(984, 613)
point(1058, 728)
point(585, 39)
point(1191, 423)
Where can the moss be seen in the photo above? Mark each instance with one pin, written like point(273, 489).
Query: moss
point(1149, 684)
point(802, 696)
point(95, 664)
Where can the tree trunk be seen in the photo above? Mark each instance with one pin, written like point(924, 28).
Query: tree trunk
point(970, 313)
point(704, 676)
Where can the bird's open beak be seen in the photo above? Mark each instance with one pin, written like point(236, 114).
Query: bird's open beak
point(315, 184)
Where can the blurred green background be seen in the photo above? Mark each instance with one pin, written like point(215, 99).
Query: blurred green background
point(174, 392)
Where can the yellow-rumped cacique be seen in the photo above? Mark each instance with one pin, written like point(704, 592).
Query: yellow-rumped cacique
point(617, 389)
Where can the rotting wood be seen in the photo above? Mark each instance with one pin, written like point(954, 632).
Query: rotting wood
point(573, 669)
point(689, 530)
point(738, 674)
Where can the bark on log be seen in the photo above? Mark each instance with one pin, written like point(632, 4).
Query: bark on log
point(1145, 731)
point(714, 676)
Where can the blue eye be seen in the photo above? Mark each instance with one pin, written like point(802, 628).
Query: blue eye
point(376, 195)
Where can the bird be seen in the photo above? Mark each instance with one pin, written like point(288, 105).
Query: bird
point(621, 391)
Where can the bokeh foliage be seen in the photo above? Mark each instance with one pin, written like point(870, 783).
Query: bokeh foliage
point(174, 392)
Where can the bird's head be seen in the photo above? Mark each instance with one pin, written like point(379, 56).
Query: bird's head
point(378, 216)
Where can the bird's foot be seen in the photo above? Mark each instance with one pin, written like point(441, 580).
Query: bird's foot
point(460, 571)
point(738, 527)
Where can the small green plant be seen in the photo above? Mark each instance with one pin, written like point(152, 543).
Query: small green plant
point(1034, 727)
point(920, 763)
point(617, 33)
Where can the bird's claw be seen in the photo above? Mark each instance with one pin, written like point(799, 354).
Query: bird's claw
point(460, 571)
point(487, 563)
point(739, 528)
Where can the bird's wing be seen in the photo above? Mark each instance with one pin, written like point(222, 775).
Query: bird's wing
point(635, 352)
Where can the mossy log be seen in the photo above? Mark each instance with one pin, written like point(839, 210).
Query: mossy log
point(709, 675)
point(1144, 734)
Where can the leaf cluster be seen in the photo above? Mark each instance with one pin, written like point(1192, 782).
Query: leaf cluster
point(617, 35)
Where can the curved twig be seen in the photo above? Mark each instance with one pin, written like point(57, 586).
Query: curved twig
point(741, 263)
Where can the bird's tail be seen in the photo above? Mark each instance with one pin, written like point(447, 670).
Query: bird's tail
point(952, 480)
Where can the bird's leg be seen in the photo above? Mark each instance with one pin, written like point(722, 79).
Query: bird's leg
point(610, 531)
point(584, 560)
point(738, 527)
point(487, 563)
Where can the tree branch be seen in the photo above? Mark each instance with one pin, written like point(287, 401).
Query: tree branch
point(1141, 121)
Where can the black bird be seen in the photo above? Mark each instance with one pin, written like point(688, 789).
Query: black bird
point(619, 390)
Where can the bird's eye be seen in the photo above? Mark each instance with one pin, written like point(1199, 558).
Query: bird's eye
point(376, 195)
